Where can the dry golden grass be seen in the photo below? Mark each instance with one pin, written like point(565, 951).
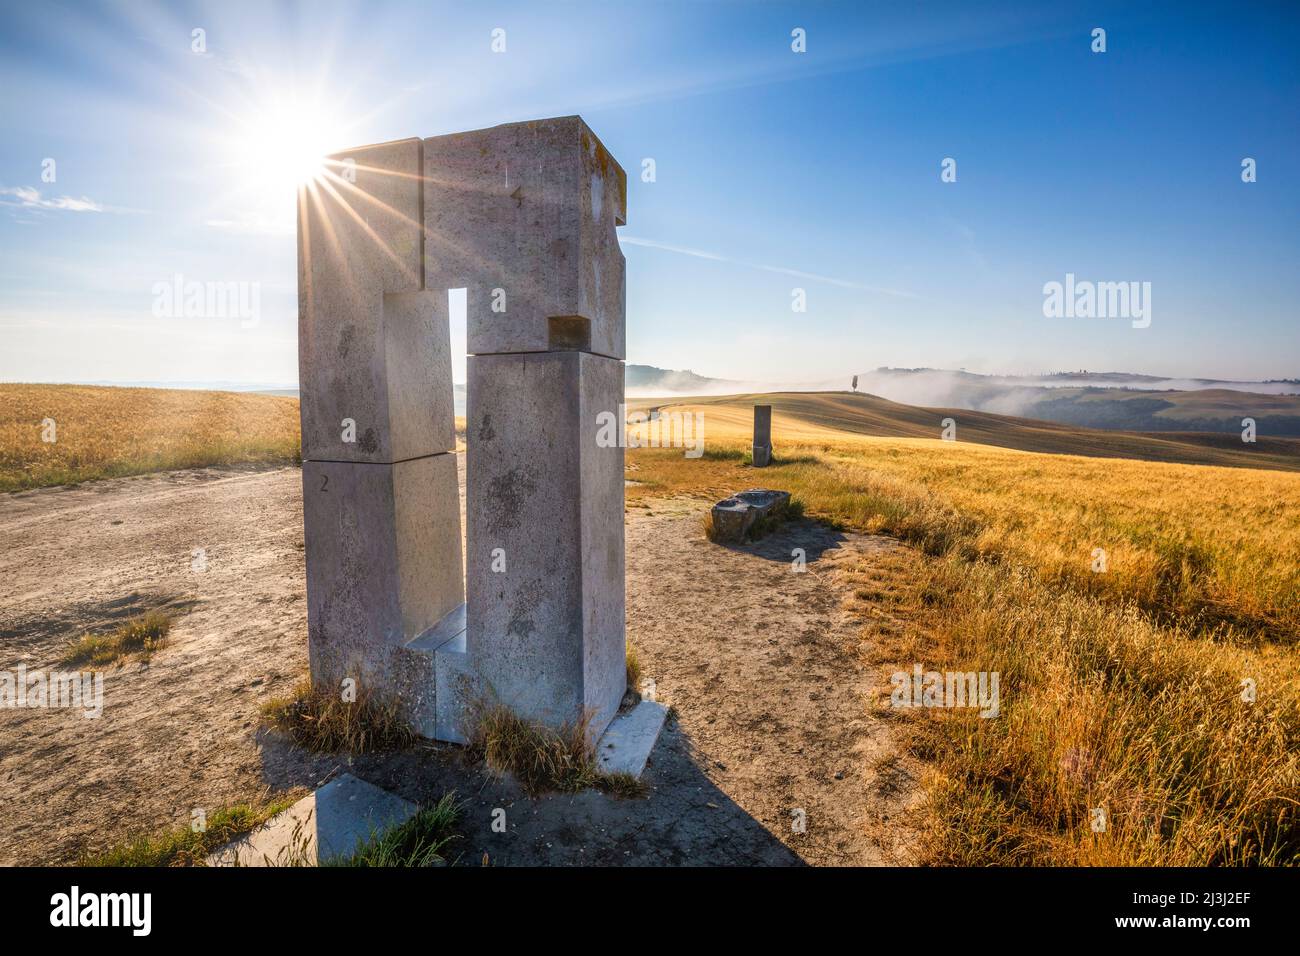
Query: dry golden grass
point(633, 666)
point(542, 758)
point(1121, 691)
point(141, 636)
point(1213, 544)
point(1101, 709)
point(320, 719)
point(105, 432)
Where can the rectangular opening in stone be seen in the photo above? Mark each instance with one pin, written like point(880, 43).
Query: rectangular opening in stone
point(568, 332)
point(458, 326)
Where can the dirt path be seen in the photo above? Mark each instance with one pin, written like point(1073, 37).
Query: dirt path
point(759, 661)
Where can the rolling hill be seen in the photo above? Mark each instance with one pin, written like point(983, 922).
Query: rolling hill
point(1110, 400)
point(806, 415)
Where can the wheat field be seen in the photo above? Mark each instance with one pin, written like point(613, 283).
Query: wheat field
point(106, 432)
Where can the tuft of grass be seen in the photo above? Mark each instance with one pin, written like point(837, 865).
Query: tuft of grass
point(183, 846)
point(633, 667)
point(621, 784)
point(420, 841)
point(544, 759)
point(318, 718)
point(140, 635)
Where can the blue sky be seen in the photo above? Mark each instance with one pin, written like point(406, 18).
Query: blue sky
point(774, 170)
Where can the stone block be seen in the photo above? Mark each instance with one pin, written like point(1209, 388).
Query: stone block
point(531, 209)
point(386, 366)
point(383, 566)
point(734, 516)
point(546, 633)
point(373, 347)
point(322, 827)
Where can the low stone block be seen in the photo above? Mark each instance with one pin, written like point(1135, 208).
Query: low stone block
point(734, 516)
point(420, 658)
point(383, 566)
point(627, 743)
point(321, 827)
point(460, 691)
point(545, 509)
point(530, 209)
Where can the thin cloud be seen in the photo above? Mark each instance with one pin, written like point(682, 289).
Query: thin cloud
point(781, 270)
point(253, 224)
point(29, 197)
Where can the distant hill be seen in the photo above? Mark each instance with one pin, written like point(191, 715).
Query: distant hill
point(1107, 400)
point(871, 415)
point(668, 381)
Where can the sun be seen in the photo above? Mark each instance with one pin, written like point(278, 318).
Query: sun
point(285, 145)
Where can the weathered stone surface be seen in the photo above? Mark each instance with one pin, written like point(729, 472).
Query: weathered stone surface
point(734, 516)
point(383, 565)
point(372, 346)
point(529, 208)
point(322, 826)
point(547, 633)
point(762, 450)
point(630, 737)
point(460, 691)
point(420, 674)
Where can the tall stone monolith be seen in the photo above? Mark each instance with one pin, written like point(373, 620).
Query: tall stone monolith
point(762, 448)
point(523, 217)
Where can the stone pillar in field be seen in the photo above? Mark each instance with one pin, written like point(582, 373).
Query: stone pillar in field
point(380, 498)
point(523, 217)
point(762, 436)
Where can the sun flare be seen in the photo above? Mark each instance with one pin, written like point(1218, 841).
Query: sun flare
point(285, 145)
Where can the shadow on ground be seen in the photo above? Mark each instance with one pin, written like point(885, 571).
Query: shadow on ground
point(42, 637)
point(685, 820)
point(814, 537)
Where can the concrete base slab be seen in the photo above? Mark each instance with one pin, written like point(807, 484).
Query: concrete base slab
point(626, 744)
point(320, 827)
